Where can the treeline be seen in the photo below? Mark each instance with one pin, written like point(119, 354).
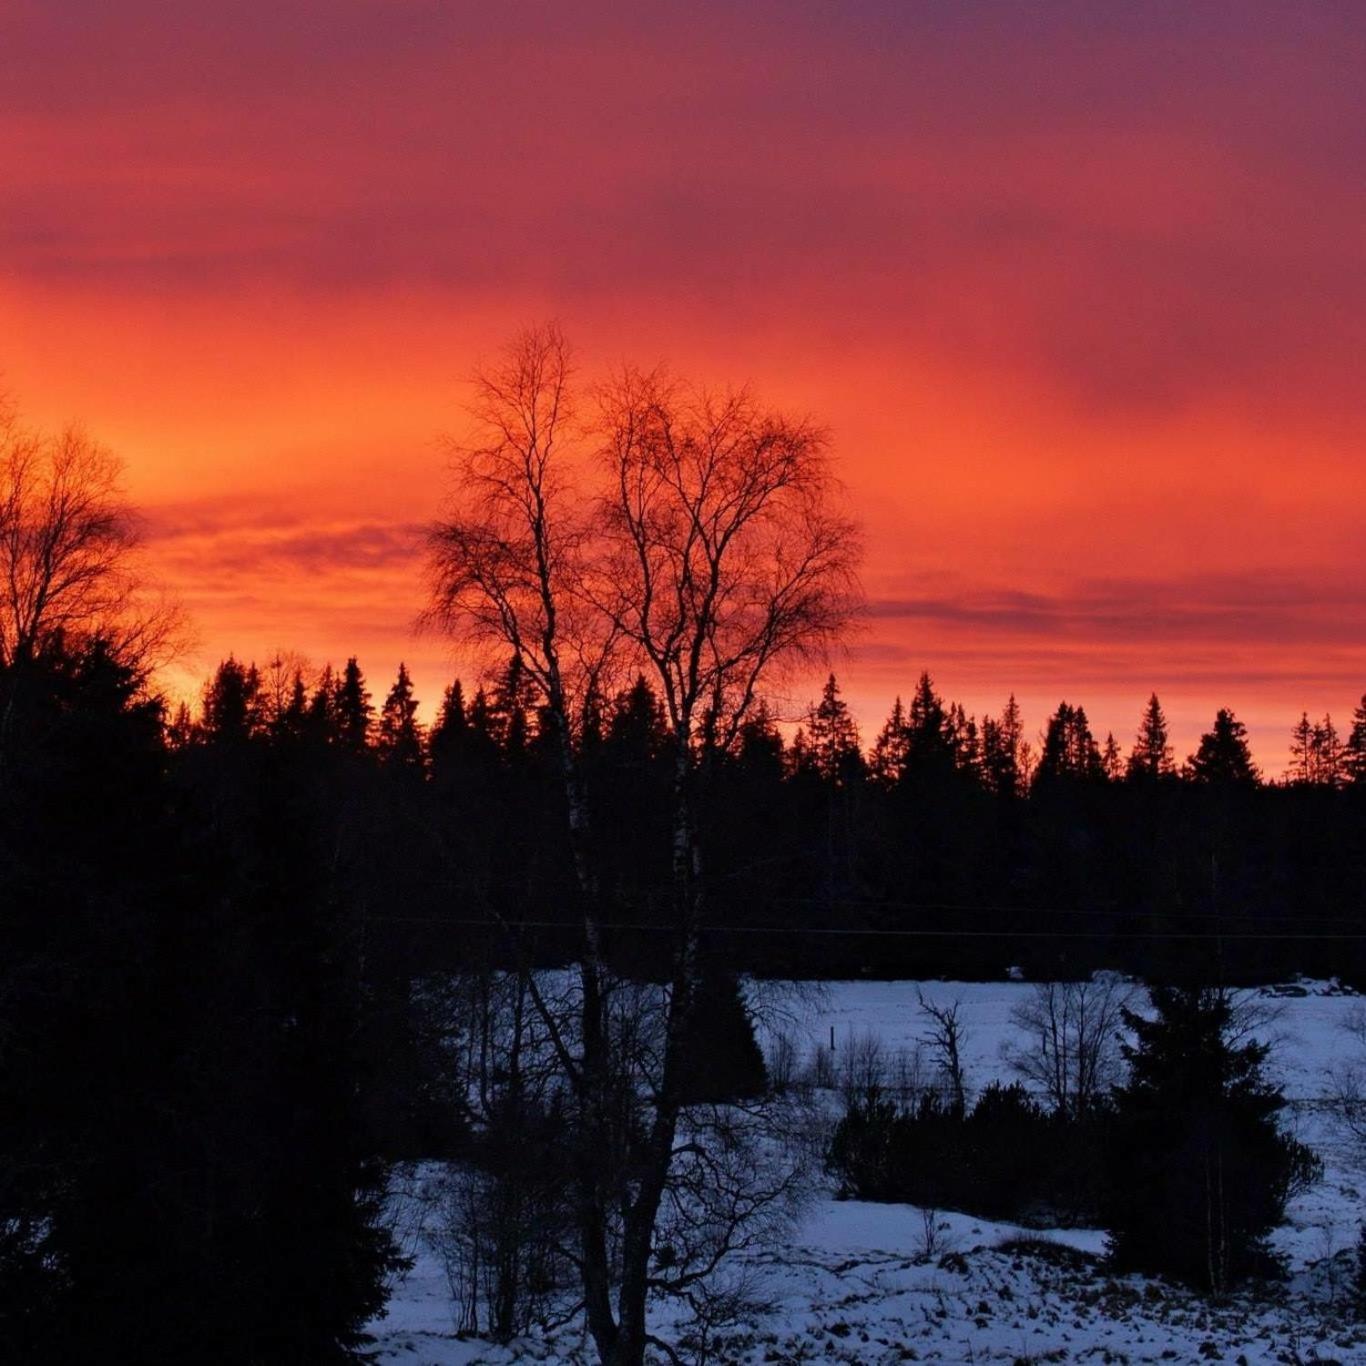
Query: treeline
point(948, 846)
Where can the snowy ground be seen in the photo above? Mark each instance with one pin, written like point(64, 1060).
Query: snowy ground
point(855, 1282)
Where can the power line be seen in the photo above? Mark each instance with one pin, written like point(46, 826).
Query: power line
point(851, 932)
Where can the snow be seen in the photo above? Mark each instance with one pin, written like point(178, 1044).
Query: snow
point(869, 1283)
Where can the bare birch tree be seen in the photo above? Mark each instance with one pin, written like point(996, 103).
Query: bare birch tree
point(1072, 1036)
point(700, 545)
point(946, 1036)
point(68, 566)
point(66, 534)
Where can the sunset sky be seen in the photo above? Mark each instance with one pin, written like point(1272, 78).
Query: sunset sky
point(1079, 288)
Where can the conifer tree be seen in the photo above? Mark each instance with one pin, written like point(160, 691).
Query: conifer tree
point(1327, 754)
point(761, 750)
point(834, 738)
point(593, 726)
point(1223, 755)
point(636, 731)
point(929, 738)
point(447, 736)
point(1301, 770)
point(293, 719)
point(1001, 750)
point(964, 741)
point(1151, 756)
point(482, 726)
point(1110, 761)
point(1316, 753)
point(232, 702)
point(1069, 748)
point(888, 763)
point(354, 712)
point(399, 742)
point(1354, 751)
point(1199, 1171)
point(509, 709)
point(322, 708)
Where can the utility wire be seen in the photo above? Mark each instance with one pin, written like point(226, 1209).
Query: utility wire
point(850, 932)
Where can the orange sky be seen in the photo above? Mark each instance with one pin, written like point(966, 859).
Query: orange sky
point(1082, 296)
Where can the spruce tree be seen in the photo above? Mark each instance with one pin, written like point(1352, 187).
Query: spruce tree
point(729, 1064)
point(232, 702)
point(760, 745)
point(352, 709)
point(1354, 751)
point(1301, 770)
point(1070, 752)
point(1223, 755)
point(888, 763)
point(322, 709)
point(448, 735)
point(292, 721)
point(1001, 751)
point(964, 741)
point(636, 732)
point(510, 708)
point(1199, 1171)
point(1110, 762)
point(399, 741)
point(833, 737)
point(1151, 756)
point(929, 734)
point(1327, 754)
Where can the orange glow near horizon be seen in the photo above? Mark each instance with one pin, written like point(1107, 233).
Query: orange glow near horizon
point(1083, 302)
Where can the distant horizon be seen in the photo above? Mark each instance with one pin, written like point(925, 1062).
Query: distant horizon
point(1269, 741)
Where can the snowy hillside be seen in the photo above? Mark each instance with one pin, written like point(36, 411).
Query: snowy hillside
point(858, 1282)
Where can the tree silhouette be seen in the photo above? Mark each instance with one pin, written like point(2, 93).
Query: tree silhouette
point(1223, 755)
point(66, 537)
point(708, 553)
point(399, 740)
point(1069, 749)
point(929, 732)
point(448, 735)
point(232, 702)
point(1354, 751)
point(1110, 762)
point(1151, 756)
point(353, 714)
point(887, 764)
point(832, 738)
point(322, 709)
point(1001, 742)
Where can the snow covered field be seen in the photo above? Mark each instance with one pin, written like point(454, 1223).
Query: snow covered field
point(857, 1282)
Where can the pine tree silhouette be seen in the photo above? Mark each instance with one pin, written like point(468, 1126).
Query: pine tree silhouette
point(232, 702)
point(1223, 755)
point(399, 740)
point(353, 712)
point(1151, 756)
point(888, 763)
point(1354, 751)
